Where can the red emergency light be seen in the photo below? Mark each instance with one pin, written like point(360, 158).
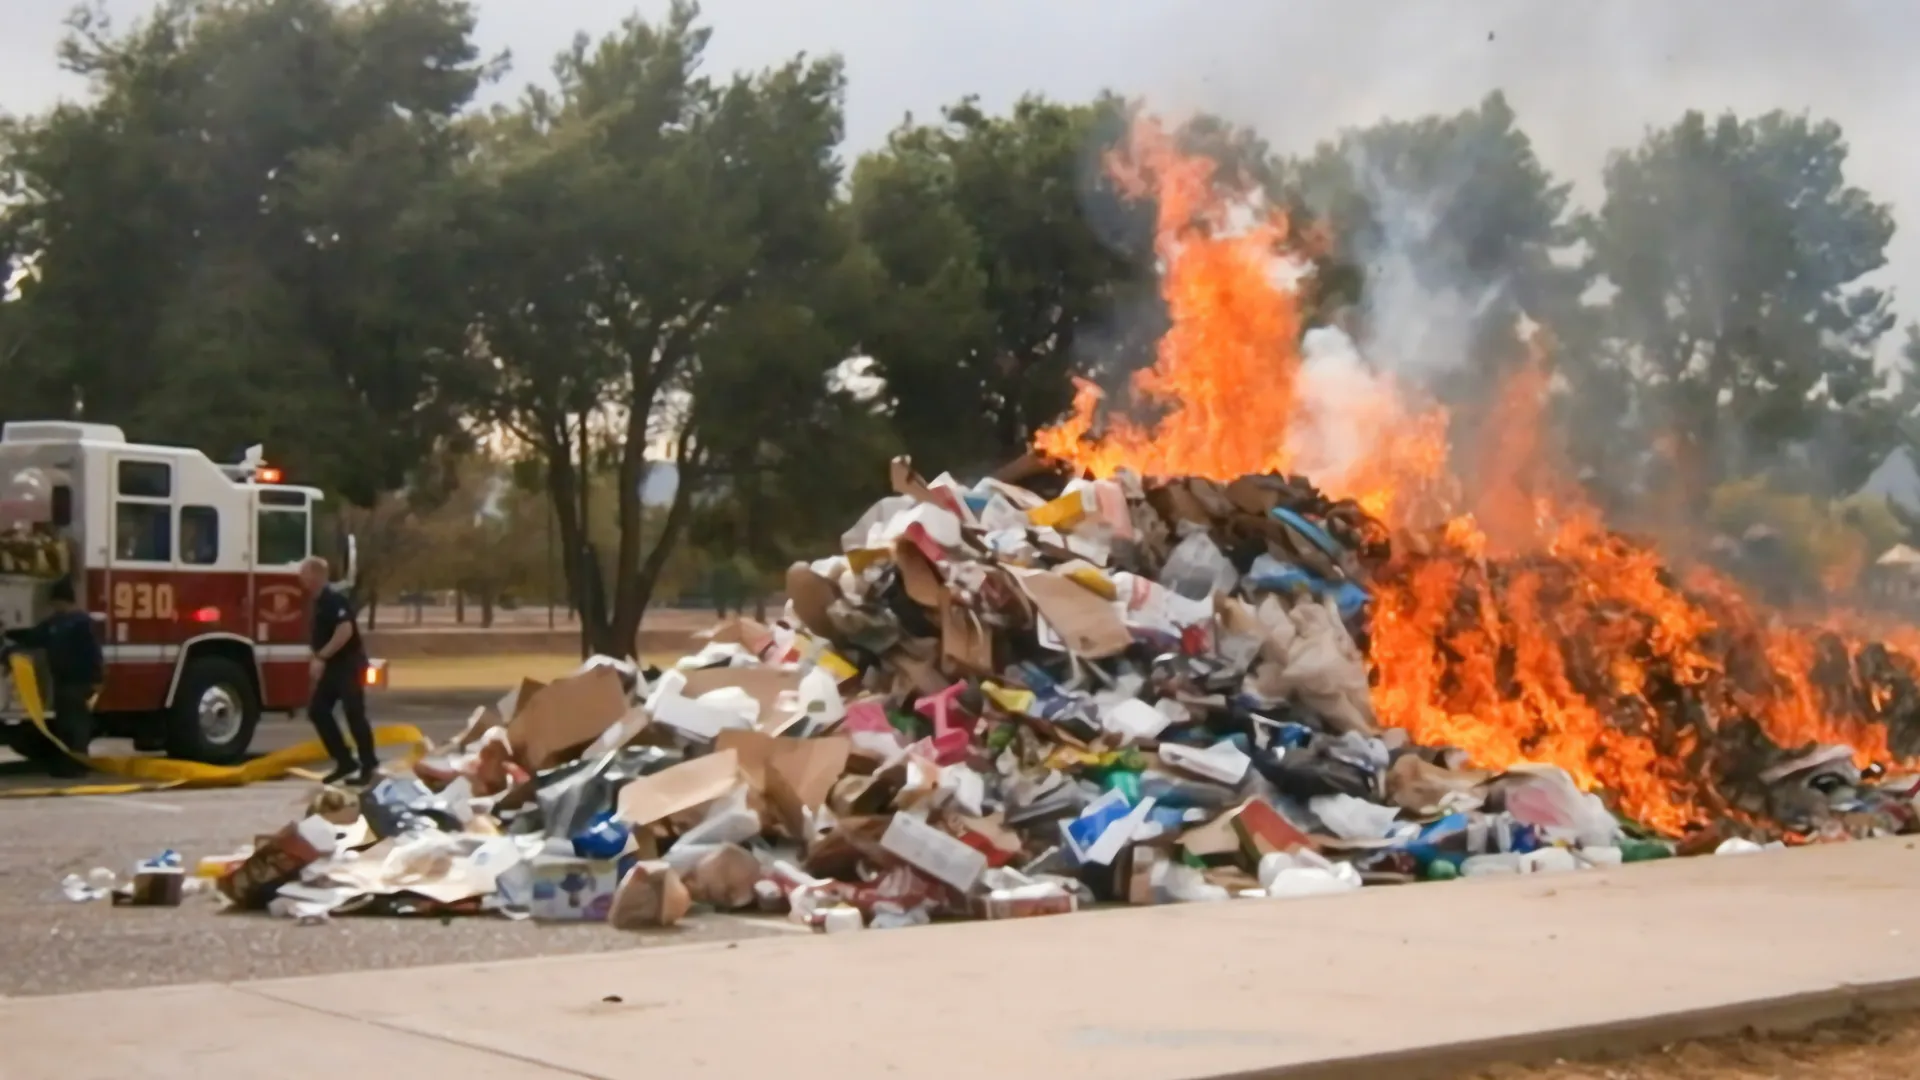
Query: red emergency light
point(267, 474)
point(206, 615)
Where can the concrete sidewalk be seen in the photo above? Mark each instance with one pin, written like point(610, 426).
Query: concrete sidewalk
point(1397, 982)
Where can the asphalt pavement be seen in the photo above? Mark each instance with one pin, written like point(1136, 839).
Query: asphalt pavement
point(53, 945)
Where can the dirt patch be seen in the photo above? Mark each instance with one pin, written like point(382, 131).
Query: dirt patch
point(1866, 1046)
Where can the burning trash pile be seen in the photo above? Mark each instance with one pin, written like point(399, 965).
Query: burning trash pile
point(1035, 693)
point(1153, 663)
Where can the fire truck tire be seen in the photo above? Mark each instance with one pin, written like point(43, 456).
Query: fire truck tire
point(215, 710)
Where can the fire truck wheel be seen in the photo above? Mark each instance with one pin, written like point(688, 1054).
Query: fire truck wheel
point(214, 712)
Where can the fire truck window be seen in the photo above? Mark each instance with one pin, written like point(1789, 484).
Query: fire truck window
point(143, 532)
point(199, 535)
point(146, 479)
point(283, 537)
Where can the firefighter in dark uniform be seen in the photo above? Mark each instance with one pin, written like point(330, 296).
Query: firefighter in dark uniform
point(75, 665)
point(339, 670)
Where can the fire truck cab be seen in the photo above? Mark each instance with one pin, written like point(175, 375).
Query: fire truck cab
point(188, 568)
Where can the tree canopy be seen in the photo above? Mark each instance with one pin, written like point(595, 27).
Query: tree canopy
point(291, 222)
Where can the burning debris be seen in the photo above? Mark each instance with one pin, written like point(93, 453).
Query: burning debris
point(1037, 692)
point(1066, 683)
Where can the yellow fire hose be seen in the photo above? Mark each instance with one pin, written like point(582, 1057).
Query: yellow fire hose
point(154, 774)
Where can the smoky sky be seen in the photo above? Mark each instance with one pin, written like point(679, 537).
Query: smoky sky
point(1586, 76)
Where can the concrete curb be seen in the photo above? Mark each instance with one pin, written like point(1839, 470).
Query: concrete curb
point(1617, 1039)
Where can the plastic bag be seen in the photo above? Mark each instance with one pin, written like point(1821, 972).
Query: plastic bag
point(1546, 797)
point(1353, 819)
point(1305, 873)
point(1186, 885)
point(1325, 670)
point(1196, 569)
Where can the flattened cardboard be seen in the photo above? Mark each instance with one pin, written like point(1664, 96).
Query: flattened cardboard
point(811, 595)
point(809, 767)
point(684, 786)
point(918, 575)
point(1088, 625)
point(564, 716)
point(966, 645)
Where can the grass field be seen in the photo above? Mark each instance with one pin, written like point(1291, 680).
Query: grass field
point(502, 672)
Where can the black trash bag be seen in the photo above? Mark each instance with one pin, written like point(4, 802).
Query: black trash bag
point(1304, 772)
point(570, 796)
point(402, 804)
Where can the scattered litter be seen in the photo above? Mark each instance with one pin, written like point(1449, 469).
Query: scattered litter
point(1002, 701)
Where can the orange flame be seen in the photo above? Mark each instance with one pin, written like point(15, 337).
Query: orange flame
point(1520, 630)
point(1225, 371)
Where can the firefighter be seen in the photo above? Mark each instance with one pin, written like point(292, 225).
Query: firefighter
point(338, 670)
point(75, 666)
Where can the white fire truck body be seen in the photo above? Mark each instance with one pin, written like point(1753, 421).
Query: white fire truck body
point(188, 568)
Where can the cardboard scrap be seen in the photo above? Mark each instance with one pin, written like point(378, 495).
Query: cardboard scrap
point(648, 799)
point(564, 716)
point(1088, 625)
point(724, 878)
point(966, 644)
point(811, 595)
point(794, 776)
point(918, 575)
point(651, 895)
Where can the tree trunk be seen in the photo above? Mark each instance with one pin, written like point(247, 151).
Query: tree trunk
point(486, 609)
point(566, 488)
point(635, 590)
point(373, 610)
point(460, 606)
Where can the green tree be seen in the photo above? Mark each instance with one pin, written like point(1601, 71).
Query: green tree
point(1735, 251)
point(242, 235)
point(776, 502)
point(1007, 260)
point(634, 222)
point(1461, 231)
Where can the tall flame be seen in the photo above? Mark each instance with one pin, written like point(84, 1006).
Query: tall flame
point(1510, 622)
point(1226, 369)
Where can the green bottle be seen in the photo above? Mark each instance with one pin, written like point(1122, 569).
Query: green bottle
point(1644, 850)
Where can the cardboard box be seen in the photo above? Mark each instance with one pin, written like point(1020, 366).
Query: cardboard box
point(564, 716)
point(571, 889)
point(934, 853)
point(152, 887)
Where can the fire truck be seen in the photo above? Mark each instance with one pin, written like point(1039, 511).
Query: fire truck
point(187, 567)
